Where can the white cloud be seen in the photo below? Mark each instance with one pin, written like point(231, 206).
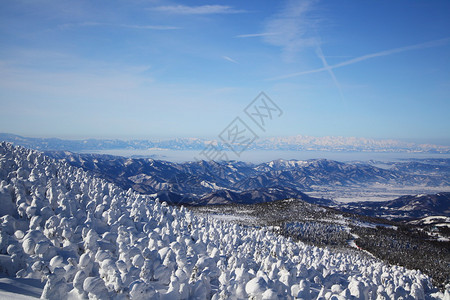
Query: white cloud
point(197, 10)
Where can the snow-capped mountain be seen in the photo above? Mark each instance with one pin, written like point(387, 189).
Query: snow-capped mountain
point(88, 238)
point(194, 180)
point(293, 143)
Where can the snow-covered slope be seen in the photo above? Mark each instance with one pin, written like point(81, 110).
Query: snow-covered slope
point(87, 238)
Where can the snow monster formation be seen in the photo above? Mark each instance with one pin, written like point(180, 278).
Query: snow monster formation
point(88, 239)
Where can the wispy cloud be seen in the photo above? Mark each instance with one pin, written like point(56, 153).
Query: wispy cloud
point(255, 35)
point(229, 59)
point(430, 44)
point(295, 27)
point(197, 10)
point(131, 26)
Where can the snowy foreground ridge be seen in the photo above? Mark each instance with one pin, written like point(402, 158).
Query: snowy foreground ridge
point(87, 238)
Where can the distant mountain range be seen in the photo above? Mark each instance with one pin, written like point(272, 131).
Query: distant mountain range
point(205, 183)
point(147, 175)
point(294, 143)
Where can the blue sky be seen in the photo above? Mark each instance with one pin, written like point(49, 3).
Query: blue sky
point(152, 69)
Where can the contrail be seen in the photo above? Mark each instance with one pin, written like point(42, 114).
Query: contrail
point(229, 59)
point(255, 34)
point(319, 53)
point(429, 44)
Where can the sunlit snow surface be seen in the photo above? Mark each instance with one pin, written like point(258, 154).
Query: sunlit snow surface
point(87, 238)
